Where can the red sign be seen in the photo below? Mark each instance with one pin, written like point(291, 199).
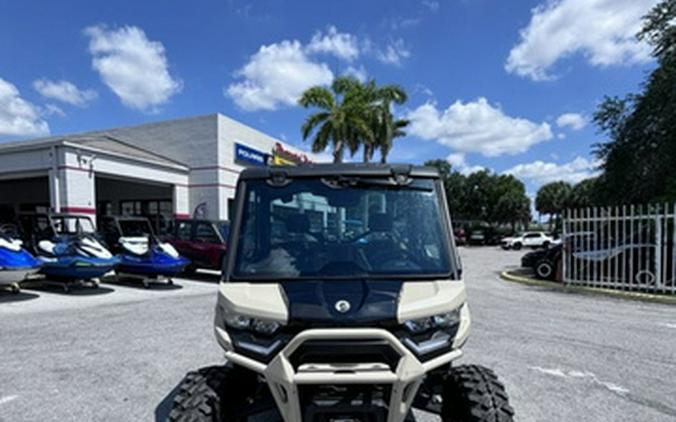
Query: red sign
point(285, 154)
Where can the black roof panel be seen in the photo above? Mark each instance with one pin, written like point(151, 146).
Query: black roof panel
point(346, 169)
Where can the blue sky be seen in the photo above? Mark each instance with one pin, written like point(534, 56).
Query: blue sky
point(506, 85)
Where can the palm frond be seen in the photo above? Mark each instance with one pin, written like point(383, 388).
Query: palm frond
point(319, 97)
point(312, 121)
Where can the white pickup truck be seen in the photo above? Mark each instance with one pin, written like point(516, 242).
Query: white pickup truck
point(528, 239)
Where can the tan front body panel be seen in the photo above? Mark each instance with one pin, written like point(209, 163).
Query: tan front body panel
point(418, 299)
point(261, 300)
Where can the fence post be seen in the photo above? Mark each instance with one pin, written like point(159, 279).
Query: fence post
point(625, 235)
point(657, 254)
point(571, 250)
point(673, 249)
point(627, 280)
point(596, 220)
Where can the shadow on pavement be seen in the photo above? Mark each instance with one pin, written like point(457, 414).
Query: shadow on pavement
point(7, 297)
point(199, 276)
point(137, 284)
point(74, 289)
point(164, 407)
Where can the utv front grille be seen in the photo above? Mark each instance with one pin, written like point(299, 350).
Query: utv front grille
point(359, 403)
point(306, 376)
point(345, 352)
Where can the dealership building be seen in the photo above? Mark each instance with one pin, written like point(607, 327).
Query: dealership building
point(178, 168)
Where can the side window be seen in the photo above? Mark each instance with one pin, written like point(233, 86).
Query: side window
point(532, 236)
point(183, 230)
point(205, 233)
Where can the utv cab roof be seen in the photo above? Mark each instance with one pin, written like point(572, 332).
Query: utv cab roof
point(349, 170)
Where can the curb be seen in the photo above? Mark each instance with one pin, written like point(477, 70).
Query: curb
point(639, 296)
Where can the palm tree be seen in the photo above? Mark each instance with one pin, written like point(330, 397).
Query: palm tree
point(384, 126)
point(342, 119)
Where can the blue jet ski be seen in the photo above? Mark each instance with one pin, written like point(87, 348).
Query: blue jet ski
point(72, 259)
point(15, 263)
point(142, 255)
point(68, 248)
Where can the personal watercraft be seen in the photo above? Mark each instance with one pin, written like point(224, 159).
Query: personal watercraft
point(15, 263)
point(82, 258)
point(142, 255)
point(68, 248)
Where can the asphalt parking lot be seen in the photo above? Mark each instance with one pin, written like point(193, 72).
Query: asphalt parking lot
point(116, 354)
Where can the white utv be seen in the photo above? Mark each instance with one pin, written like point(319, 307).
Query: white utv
point(342, 300)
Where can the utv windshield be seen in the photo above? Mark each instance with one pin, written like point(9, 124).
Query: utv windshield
point(73, 225)
point(136, 228)
point(312, 228)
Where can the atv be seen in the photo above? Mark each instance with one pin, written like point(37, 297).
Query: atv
point(342, 299)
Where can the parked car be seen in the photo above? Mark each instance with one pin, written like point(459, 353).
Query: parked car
point(460, 236)
point(477, 237)
point(202, 241)
point(529, 259)
point(632, 262)
point(528, 239)
point(548, 263)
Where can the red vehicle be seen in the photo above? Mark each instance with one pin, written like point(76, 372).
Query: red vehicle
point(202, 241)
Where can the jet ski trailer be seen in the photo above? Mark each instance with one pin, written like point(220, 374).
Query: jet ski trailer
point(143, 256)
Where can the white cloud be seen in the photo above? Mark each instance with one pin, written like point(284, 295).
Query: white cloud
point(18, 117)
point(604, 31)
point(52, 109)
point(432, 5)
point(574, 121)
point(64, 91)
point(358, 72)
point(458, 163)
point(423, 90)
point(132, 66)
point(394, 53)
point(277, 75)
point(477, 127)
point(342, 45)
point(540, 172)
point(401, 22)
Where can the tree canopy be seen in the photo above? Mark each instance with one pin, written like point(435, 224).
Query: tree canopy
point(484, 196)
point(353, 115)
point(638, 159)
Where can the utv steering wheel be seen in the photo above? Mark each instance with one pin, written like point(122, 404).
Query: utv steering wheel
point(381, 258)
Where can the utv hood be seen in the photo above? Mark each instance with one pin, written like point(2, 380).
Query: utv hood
point(342, 303)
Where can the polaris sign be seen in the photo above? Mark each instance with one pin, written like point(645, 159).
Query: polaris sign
point(248, 156)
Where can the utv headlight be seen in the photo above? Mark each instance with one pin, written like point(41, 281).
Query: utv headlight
point(440, 321)
point(431, 334)
point(241, 322)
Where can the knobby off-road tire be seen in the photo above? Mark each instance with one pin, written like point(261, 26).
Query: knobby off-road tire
point(473, 394)
point(207, 395)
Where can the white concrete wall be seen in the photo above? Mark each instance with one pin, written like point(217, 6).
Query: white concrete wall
point(12, 163)
point(189, 141)
point(206, 144)
point(231, 132)
point(181, 201)
point(192, 141)
point(78, 168)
